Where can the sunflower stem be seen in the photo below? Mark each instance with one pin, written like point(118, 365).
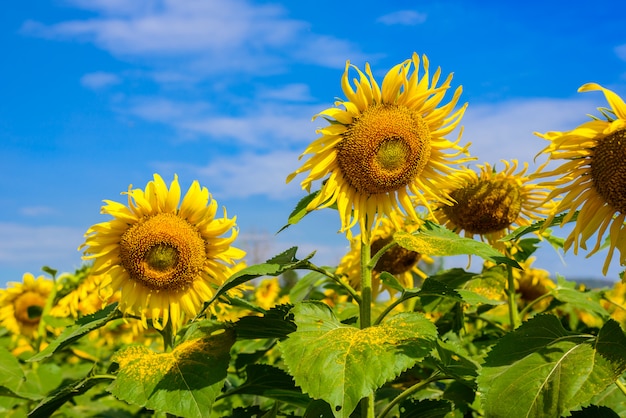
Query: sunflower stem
point(510, 290)
point(168, 336)
point(365, 308)
point(415, 388)
point(365, 315)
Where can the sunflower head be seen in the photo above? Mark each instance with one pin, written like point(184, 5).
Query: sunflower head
point(490, 203)
point(22, 304)
point(592, 177)
point(165, 258)
point(385, 144)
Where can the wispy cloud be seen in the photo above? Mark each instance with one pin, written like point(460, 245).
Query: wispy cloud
point(31, 247)
point(212, 35)
point(262, 124)
point(505, 130)
point(245, 175)
point(36, 211)
point(99, 80)
point(403, 17)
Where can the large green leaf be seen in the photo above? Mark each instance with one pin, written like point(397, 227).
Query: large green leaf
point(435, 240)
point(184, 382)
point(11, 373)
point(342, 364)
point(549, 371)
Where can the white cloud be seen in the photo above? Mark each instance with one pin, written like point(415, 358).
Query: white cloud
point(28, 248)
point(505, 130)
point(403, 17)
point(203, 35)
point(264, 125)
point(36, 211)
point(298, 92)
point(250, 175)
point(99, 80)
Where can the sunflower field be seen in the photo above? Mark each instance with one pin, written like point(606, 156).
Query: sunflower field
point(166, 318)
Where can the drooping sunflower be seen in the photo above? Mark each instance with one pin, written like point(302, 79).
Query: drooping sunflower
point(491, 203)
point(592, 178)
point(400, 262)
point(384, 144)
point(22, 304)
point(165, 259)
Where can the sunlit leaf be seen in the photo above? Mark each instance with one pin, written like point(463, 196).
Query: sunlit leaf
point(438, 241)
point(184, 382)
point(549, 371)
point(300, 211)
point(342, 364)
point(524, 230)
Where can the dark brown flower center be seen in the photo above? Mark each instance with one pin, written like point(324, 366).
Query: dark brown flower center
point(485, 207)
point(384, 149)
point(608, 169)
point(396, 260)
point(28, 308)
point(163, 252)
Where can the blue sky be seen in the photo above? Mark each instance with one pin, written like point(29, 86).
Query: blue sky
point(100, 94)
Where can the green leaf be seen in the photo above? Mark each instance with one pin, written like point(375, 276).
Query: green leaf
point(276, 323)
point(389, 280)
point(82, 327)
point(438, 241)
point(11, 373)
point(273, 267)
point(524, 230)
point(184, 382)
point(594, 411)
point(342, 364)
point(270, 382)
point(300, 211)
point(586, 301)
point(549, 371)
point(305, 285)
point(426, 408)
point(453, 360)
point(612, 398)
point(53, 402)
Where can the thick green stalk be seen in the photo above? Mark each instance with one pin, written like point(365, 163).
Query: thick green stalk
point(510, 290)
point(365, 315)
point(365, 311)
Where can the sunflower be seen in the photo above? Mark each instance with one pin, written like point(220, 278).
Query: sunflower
point(166, 260)
point(22, 304)
point(385, 145)
point(592, 178)
point(398, 261)
point(86, 298)
point(491, 203)
point(532, 283)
